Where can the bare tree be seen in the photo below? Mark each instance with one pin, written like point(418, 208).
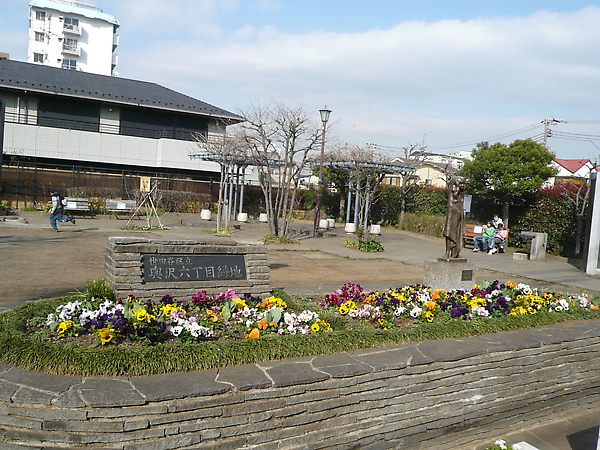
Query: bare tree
point(228, 150)
point(578, 194)
point(365, 169)
point(413, 155)
point(280, 139)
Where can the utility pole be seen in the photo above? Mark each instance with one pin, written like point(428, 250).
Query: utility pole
point(547, 130)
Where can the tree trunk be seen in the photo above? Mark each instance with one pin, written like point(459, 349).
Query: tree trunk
point(402, 212)
point(578, 234)
point(505, 217)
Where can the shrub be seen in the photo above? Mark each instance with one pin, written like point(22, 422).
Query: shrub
point(427, 200)
point(420, 199)
point(370, 245)
point(424, 224)
point(386, 209)
point(552, 213)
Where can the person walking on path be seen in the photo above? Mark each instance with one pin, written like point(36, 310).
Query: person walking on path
point(56, 212)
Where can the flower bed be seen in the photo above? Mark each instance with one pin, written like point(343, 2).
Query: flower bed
point(424, 304)
point(204, 317)
point(231, 316)
point(95, 336)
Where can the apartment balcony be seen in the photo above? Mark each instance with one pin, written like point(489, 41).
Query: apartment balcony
point(115, 60)
point(115, 41)
point(71, 50)
point(71, 29)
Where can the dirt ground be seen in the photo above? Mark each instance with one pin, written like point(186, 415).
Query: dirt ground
point(36, 263)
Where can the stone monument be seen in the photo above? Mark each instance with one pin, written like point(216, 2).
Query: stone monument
point(451, 271)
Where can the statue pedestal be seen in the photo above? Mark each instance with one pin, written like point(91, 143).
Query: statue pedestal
point(449, 274)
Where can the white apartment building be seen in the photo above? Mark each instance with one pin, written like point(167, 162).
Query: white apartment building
point(72, 34)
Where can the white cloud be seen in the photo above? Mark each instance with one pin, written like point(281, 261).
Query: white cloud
point(448, 78)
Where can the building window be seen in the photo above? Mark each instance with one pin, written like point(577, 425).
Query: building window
point(39, 36)
point(65, 113)
point(155, 125)
point(69, 64)
point(40, 15)
point(70, 45)
point(71, 23)
point(38, 57)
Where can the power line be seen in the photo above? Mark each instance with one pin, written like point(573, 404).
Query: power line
point(492, 138)
point(538, 137)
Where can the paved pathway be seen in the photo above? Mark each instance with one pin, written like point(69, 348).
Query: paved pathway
point(30, 234)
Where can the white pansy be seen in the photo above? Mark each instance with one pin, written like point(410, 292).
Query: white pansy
point(415, 311)
point(175, 330)
point(399, 311)
point(525, 288)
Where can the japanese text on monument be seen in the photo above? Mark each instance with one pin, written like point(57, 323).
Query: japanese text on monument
point(193, 267)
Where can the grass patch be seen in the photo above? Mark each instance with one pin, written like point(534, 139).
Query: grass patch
point(143, 228)
point(34, 352)
point(278, 240)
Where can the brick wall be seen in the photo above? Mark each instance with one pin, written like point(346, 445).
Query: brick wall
point(435, 394)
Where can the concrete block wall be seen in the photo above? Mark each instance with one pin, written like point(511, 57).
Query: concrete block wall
point(429, 395)
point(124, 269)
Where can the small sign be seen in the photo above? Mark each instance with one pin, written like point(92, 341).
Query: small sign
point(466, 275)
point(169, 267)
point(467, 203)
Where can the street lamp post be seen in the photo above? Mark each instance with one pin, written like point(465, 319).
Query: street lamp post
point(324, 118)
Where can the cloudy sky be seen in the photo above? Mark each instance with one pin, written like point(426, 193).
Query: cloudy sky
point(444, 73)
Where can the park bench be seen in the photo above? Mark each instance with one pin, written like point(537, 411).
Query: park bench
point(117, 207)
point(78, 206)
point(472, 230)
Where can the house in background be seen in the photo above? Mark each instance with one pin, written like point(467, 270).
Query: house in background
point(72, 34)
point(573, 171)
point(79, 122)
point(425, 173)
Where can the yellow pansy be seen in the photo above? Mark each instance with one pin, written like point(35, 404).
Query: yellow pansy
point(106, 335)
point(64, 326)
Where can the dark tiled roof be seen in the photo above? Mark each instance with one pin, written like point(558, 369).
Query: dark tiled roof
point(73, 83)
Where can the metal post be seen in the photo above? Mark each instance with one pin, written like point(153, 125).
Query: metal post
point(237, 191)
point(357, 201)
point(349, 202)
point(230, 199)
point(367, 200)
point(242, 189)
point(324, 118)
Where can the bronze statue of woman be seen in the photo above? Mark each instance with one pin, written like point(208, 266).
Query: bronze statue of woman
point(454, 225)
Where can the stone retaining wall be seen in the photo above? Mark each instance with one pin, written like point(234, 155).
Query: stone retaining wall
point(124, 268)
point(434, 394)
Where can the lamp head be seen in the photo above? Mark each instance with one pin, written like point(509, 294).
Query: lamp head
point(325, 114)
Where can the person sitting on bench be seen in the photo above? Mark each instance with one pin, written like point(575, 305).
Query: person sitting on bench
point(488, 232)
point(499, 236)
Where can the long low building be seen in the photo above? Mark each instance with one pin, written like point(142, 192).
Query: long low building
point(66, 118)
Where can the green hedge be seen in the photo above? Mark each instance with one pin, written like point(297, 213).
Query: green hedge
point(550, 212)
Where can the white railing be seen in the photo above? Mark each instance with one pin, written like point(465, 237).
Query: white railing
point(69, 28)
point(71, 49)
